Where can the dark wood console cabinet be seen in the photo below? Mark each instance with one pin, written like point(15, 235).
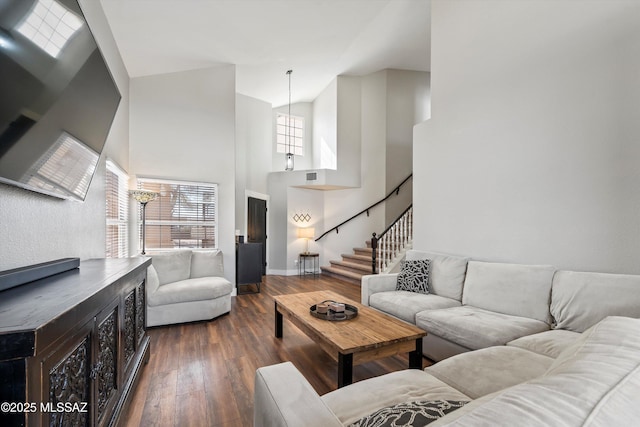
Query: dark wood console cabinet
point(72, 345)
point(249, 266)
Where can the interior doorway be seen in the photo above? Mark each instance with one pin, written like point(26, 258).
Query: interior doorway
point(257, 226)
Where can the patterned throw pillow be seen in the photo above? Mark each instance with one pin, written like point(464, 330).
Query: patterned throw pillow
point(414, 276)
point(415, 414)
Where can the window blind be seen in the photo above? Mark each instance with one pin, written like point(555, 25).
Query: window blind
point(185, 214)
point(117, 183)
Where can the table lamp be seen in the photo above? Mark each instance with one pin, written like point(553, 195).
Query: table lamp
point(306, 233)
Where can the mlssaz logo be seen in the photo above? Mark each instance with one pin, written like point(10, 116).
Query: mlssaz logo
point(64, 407)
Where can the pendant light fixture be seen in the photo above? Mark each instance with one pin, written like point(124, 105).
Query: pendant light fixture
point(289, 155)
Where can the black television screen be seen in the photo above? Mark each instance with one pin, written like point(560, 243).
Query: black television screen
point(57, 98)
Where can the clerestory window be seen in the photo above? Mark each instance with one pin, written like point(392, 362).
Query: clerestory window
point(289, 134)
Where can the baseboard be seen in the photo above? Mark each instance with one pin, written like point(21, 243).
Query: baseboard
point(271, 272)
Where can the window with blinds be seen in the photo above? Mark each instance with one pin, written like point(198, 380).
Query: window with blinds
point(289, 134)
point(117, 183)
point(185, 214)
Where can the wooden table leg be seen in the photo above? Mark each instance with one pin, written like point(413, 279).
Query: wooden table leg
point(345, 369)
point(278, 322)
point(415, 357)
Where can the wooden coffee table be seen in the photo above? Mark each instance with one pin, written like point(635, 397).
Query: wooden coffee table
point(370, 335)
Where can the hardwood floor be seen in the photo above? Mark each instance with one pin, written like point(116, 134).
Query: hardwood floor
point(201, 374)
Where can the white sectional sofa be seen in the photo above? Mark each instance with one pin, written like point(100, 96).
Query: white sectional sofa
point(475, 304)
point(595, 381)
point(522, 344)
point(185, 286)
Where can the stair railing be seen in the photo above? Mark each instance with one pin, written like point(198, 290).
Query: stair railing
point(387, 246)
point(395, 191)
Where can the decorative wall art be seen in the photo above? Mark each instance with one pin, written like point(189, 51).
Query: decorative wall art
point(302, 217)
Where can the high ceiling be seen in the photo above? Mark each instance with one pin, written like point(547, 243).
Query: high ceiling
point(317, 39)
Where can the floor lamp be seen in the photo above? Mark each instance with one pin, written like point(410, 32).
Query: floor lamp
point(144, 197)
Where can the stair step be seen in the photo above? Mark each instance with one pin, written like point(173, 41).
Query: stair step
point(351, 266)
point(368, 252)
point(363, 251)
point(342, 274)
point(357, 259)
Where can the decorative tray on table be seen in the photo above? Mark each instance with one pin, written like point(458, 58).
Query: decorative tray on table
point(334, 311)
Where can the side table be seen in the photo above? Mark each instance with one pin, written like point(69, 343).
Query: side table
point(302, 263)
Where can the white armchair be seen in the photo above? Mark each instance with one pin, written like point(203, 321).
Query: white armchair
point(186, 286)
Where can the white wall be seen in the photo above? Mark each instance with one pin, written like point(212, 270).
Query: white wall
point(277, 223)
point(349, 130)
point(325, 136)
point(303, 201)
point(253, 146)
point(407, 104)
point(532, 151)
point(339, 205)
point(37, 228)
point(390, 102)
point(183, 128)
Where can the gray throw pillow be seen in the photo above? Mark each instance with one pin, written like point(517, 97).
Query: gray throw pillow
point(415, 414)
point(414, 276)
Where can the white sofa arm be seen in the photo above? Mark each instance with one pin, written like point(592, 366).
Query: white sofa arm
point(153, 282)
point(284, 398)
point(373, 283)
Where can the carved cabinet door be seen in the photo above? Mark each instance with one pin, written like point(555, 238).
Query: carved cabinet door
point(141, 310)
point(129, 341)
point(134, 322)
point(104, 372)
point(80, 378)
point(66, 382)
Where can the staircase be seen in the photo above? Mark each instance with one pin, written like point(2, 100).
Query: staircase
point(352, 266)
point(391, 246)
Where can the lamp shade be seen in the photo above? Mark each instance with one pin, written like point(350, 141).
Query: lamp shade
point(143, 196)
point(306, 233)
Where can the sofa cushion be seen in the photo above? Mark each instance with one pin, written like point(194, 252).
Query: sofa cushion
point(593, 383)
point(172, 266)
point(549, 343)
point(446, 276)
point(404, 305)
point(601, 338)
point(515, 289)
point(206, 264)
point(362, 398)
point(203, 288)
point(476, 328)
point(478, 373)
point(580, 300)
point(414, 276)
point(418, 413)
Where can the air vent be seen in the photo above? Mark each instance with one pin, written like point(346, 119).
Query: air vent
point(312, 176)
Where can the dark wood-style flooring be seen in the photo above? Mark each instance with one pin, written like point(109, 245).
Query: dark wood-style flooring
point(201, 374)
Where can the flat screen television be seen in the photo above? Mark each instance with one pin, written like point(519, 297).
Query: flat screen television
point(57, 98)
